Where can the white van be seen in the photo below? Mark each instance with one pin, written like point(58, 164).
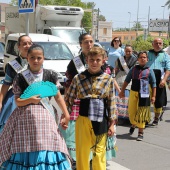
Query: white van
point(56, 51)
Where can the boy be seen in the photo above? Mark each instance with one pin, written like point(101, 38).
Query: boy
point(139, 99)
point(95, 89)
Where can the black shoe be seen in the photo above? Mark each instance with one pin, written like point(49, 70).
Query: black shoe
point(131, 130)
point(155, 122)
point(74, 165)
point(140, 137)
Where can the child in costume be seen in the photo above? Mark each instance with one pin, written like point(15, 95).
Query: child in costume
point(96, 92)
point(7, 101)
point(139, 99)
point(31, 138)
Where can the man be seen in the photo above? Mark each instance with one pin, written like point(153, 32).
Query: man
point(159, 61)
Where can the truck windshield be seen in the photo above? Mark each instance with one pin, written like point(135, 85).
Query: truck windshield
point(56, 51)
point(69, 35)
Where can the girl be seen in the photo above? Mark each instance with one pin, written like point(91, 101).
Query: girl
point(32, 135)
point(6, 95)
point(139, 99)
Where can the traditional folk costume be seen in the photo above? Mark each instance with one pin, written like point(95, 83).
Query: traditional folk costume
point(123, 65)
point(96, 94)
point(31, 138)
point(74, 67)
point(159, 62)
point(139, 99)
point(8, 104)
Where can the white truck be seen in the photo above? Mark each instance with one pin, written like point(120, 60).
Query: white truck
point(61, 21)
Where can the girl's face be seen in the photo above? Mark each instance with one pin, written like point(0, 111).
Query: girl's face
point(24, 45)
point(86, 44)
point(142, 59)
point(116, 43)
point(35, 59)
point(95, 63)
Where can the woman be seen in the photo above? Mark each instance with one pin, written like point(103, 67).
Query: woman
point(6, 95)
point(115, 51)
point(32, 134)
point(122, 66)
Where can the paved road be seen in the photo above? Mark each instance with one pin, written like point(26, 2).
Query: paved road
point(152, 153)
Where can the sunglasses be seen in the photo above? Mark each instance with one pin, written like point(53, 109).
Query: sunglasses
point(116, 40)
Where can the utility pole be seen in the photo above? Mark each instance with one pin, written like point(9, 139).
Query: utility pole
point(137, 20)
point(148, 20)
point(97, 35)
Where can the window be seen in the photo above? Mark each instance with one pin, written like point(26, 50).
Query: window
point(104, 31)
point(12, 47)
point(47, 31)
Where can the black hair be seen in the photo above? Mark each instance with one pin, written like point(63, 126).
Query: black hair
point(112, 42)
point(19, 39)
point(143, 52)
point(35, 47)
point(127, 45)
point(81, 37)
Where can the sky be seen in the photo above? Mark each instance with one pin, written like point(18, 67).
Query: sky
point(123, 12)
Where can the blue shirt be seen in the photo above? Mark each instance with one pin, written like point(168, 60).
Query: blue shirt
point(113, 55)
point(160, 61)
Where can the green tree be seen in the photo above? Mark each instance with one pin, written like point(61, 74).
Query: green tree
point(138, 26)
point(102, 18)
point(14, 2)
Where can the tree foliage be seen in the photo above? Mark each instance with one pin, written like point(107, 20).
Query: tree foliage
point(144, 45)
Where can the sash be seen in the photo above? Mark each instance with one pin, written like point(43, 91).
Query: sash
point(144, 83)
point(124, 64)
point(16, 66)
point(29, 77)
point(79, 64)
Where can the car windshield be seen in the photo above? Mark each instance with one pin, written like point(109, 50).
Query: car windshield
point(56, 51)
point(69, 35)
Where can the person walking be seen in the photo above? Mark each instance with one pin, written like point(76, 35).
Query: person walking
point(139, 99)
point(122, 66)
point(115, 51)
point(31, 138)
point(159, 61)
point(95, 89)
point(7, 101)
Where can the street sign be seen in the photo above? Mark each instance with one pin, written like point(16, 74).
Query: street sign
point(159, 25)
point(26, 6)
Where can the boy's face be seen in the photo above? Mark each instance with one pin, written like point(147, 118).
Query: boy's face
point(142, 59)
point(95, 63)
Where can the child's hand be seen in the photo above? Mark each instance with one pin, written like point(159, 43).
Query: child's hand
point(35, 99)
point(121, 94)
point(64, 121)
point(111, 130)
point(153, 100)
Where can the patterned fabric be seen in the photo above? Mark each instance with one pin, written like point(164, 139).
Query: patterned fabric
point(96, 86)
point(96, 110)
point(122, 104)
point(30, 128)
point(75, 109)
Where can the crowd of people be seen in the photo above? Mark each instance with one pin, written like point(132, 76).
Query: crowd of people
point(101, 88)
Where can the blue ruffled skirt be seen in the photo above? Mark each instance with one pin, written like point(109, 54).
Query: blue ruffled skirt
point(8, 107)
point(39, 160)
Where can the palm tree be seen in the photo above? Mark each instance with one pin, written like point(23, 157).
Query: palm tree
point(168, 4)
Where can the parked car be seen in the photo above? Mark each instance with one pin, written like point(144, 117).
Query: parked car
point(105, 45)
point(2, 47)
point(57, 53)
